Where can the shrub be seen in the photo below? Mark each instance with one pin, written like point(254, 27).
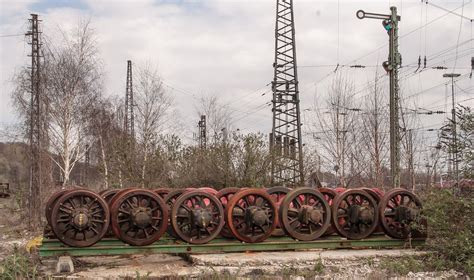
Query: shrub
point(450, 230)
point(17, 266)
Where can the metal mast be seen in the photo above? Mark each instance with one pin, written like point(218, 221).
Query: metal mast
point(202, 132)
point(285, 139)
point(34, 198)
point(129, 123)
point(390, 23)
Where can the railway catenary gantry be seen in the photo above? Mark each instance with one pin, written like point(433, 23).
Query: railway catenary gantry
point(139, 217)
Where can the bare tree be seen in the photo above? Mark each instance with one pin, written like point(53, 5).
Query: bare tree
point(218, 116)
point(335, 126)
point(73, 85)
point(374, 135)
point(153, 105)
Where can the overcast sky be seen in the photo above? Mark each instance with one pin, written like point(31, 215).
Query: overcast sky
point(225, 48)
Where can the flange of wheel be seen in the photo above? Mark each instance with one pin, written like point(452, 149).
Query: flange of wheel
point(305, 214)
point(139, 217)
point(399, 210)
point(251, 215)
point(162, 192)
point(169, 199)
point(224, 196)
point(329, 195)
point(355, 214)
point(109, 194)
point(197, 217)
point(49, 205)
point(80, 218)
point(278, 194)
point(208, 190)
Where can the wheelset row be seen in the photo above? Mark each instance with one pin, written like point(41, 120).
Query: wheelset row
point(139, 217)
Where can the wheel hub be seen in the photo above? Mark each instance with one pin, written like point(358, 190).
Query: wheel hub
point(404, 214)
point(309, 213)
point(256, 216)
point(141, 217)
point(202, 217)
point(80, 219)
point(360, 214)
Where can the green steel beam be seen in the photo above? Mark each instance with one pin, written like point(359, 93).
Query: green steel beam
point(51, 248)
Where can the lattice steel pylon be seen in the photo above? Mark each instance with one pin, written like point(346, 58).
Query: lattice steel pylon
point(35, 128)
point(129, 119)
point(202, 132)
point(285, 139)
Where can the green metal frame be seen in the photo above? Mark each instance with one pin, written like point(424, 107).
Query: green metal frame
point(51, 247)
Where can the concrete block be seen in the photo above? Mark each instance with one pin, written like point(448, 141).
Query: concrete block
point(65, 265)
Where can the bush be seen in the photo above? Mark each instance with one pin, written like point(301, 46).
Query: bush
point(17, 266)
point(450, 230)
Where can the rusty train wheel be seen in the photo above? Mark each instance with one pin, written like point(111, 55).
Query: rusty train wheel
point(224, 196)
point(51, 202)
point(329, 195)
point(278, 194)
point(197, 217)
point(355, 214)
point(170, 199)
point(376, 193)
point(251, 215)
point(109, 194)
point(399, 209)
point(208, 190)
point(139, 217)
point(80, 218)
point(162, 192)
point(305, 214)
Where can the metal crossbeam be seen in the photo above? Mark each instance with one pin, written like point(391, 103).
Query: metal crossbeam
point(50, 248)
point(285, 139)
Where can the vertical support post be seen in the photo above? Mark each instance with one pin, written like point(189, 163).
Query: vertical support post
point(454, 144)
point(202, 132)
point(129, 120)
point(390, 23)
point(35, 129)
point(287, 167)
point(394, 62)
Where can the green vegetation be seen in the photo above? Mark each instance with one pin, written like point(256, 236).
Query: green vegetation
point(450, 230)
point(18, 266)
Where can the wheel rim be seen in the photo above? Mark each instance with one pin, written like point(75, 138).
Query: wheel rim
point(355, 214)
point(162, 192)
point(197, 217)
point(139, 217)
point(224, 196)
point(329, 195)
point(305, 214)
point(80, 218)
point(251, 215)
point(51, 202)
point(278, 194)
point(109, 195)
point(399, 209)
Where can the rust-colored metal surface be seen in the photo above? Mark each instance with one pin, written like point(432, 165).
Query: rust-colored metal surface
point(139, 217)
point(305, 214)
point(355, 214)
point(278, 194)
point(329, 195)
point(51, 202)
point(80, 218)
point(251, 215)
point(162, 192)
point(399, 209)
point(197, 217)
point(224, 196)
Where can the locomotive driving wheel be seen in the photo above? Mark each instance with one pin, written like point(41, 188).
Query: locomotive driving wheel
point(251, 215)
point(399, 209)
point(305, 214)
point(197, 217)
point(278, 194)
point(329, 195)
point(224, 196)
point(139, 217)
point(51, 202)
point(162, 192)
point(80, 218)
point(355, 214)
